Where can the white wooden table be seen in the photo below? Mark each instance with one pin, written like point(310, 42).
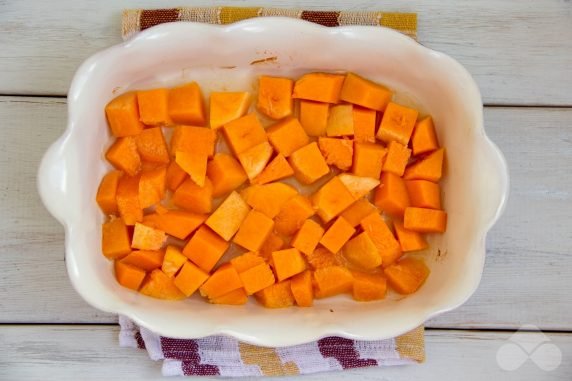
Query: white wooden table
point(520, 53)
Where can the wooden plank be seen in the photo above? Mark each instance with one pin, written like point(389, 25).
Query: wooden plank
point(30, 352)
point(518, 53)
point(525, 280)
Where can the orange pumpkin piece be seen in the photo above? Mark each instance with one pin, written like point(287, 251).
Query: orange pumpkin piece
point(408, 239)
point(424, 220)
point(368, 287)
point(287, 136)
point(302, 289)
point(268, 198)
point(152, 186)
point(273, 243)
point(332, 280)
point(368, 159)
point(293, 214)
point(152, 146)
point(358, 211)
point(225, 173)
point(253, 231)
point(186, 105)
point(387, 246)
point(190, 278)
point(340, 121)
point(160, 285)
point(228, 217)
point(360, 91)
point(123, 115)
point(106, 193)
point(287, 263)
point(364, 124)
point(319, 87)
point(193, 139)
point(227, 106)
point(429, 168)
point(407, 275)
point(275, 96)
point(396, 158)
point(278, 295)
point(127, 197)
point(322, 257)
point(308, 237)
point(145, 259)
point(397, 124)
point(256, 278)
point(205, 248)
point(424, 138)
point(175, 176)
point(391, 196)
point(193, 198)
point(194, 163)
point(357, 185)
point(177, 223)
point(423, 194)
point(254, 159)
point(128, 276)
point(115, 241)
point(237, 297)
point(308, 163)
point(332, 199)
point(147, 238)
point(361, 252)
point(246, 261)
point(338, 152)
point(123, 155)
point(337, 235)
point(173, 260)
point(153, 107)
point(244, 133)
point(277, 169)
point(314, 117)
point(224, 280)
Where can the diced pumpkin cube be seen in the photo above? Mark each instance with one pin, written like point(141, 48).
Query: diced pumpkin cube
point(205, 248)
point(193, 139)
point(308, 163)
point(273, 243)
point(278, 295)
point(193, 198)
point(186, 105)
point(424, 220)
point(128, 276)
point(368, 159)
point(293, 214)
point(224, 280)
point(368, 287)
point(408, 239)
point(246, 261)
point(397, 124)
point(361, 252)
point(225, 173)
point(332, 280)
point(190, 278)
point(159, 285)
point(314, 117)
point(194, 163)
point(254, 159)
point(396, 158)
point(253, 231)
point(322, 257)
point(152, 146)
point(340, 121)
point(337, 235)
point(256, 278)
point(153, 107)
point(277, 169)
point(173, 260)
point(107, 191)
point(145, 259)
point(424, 138)
point(115, 241)
point(364, 124)
point(332, 199)
point(268, 198)
point(177, 223)
point(308, 237)
point(357, 185)
point(429, 168)
point(358, 211)
point(275, 96)
point(147, 238)
point(123, 155)
point(287, 136)
point(244, 133)
point(360, 91)
point(227, 106)
point(236, 297)
point(391, 196)
point(338, 152)
point(127, 197)
point(152, 186)
point(123, 115)
point(228, 217)
point(319, 87)
point(407, 275)
point(302, 289)
point(423, 194)
point(387, 246)
point(287, 263)
point(175, 176)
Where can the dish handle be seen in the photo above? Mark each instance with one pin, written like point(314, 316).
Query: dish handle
point(498, 184)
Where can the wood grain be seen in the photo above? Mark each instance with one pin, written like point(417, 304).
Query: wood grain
point(517, 52)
